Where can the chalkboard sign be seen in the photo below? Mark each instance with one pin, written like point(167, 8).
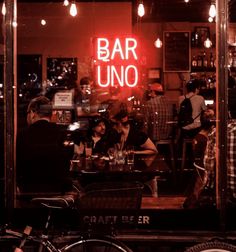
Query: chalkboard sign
point(177, 51)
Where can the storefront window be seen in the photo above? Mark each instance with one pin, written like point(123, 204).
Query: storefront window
point(102, 61)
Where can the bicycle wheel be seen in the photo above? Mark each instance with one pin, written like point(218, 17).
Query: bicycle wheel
point(214, 246)
point(97, 245)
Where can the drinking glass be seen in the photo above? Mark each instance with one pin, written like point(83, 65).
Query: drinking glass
point(88, 149)
point(130, 155)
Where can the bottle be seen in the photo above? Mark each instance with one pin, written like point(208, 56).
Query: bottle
point(194, 61)
point(199, 61)
point(205, 61)
point(196, 39)
point(211, 61)
point(193, 39)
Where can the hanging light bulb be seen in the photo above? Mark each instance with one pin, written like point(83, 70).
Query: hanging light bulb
point(141, 10)
point(210, 19)
point(158, 43)
point(43, 22)
point(66, 3)
point(207, 43)
point(73, 9)
point(212, 11)
point(186, 1)
point(4, 11)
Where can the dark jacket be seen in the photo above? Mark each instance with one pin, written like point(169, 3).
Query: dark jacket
point(42, 160)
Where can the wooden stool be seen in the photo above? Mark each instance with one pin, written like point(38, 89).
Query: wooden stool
point(186, 141)
point(171, 145)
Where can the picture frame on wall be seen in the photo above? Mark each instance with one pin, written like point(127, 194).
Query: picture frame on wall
point(154, 74)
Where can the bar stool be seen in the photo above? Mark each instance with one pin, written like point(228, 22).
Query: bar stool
point(186, 141)
point(171, 145)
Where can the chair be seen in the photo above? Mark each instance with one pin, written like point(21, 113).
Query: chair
point(112, 195)
point(171, 145)
point(122, 200)
point(186, 141)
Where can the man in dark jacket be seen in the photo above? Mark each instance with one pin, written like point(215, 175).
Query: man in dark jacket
point(42, 159)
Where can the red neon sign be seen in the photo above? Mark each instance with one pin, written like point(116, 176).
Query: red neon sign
point(116, 62)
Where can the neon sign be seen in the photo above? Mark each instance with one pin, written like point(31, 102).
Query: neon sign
point(116, 62)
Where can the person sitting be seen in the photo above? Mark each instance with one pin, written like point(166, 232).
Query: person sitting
point(42, 160)
point(85, 98)
point(129, 135)
point(99, 135)
point(198, 105)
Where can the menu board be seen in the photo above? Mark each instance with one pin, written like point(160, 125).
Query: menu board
point(176, 51)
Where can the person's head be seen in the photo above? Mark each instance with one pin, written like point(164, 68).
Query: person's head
point(39, 108)
point(85, 85)
point(98, 126)
point(193, 86)
point(155, 90)
point(208, 119)
point(119, 117)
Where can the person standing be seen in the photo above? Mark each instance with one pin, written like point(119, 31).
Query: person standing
point(198, 105)
point(158, 115)
point(42, 160)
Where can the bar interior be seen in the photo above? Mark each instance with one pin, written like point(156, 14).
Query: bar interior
point(126, 105)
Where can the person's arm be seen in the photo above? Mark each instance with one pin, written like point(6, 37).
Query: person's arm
point(148, 148)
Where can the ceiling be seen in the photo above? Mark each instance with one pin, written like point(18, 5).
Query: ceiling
point(180, 11)
point(167, 10)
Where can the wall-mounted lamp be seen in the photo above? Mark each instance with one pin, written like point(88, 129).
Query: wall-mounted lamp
point(207, 43)
point(141, 10)
point(73, 9)
point(158, 43)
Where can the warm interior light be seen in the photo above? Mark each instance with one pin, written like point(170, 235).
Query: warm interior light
point(158, 43)
point(186, 1)
point(212, 11)
point(4, 9)
point(207, 43)
point(210, 19)
point(65, 3)
point(73, 10)
point(43, 22)
point(141, 10)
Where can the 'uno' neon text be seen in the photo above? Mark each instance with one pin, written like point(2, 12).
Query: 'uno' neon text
point(113, 62)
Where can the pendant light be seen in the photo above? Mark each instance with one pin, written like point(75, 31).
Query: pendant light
point(66, 3)
point(207, 43)
point(212, 10)
point(158, 43)
point(141, 10)
point(73, 9)
point(4, 9)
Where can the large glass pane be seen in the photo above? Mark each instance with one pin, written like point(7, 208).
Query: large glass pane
point(87, 64)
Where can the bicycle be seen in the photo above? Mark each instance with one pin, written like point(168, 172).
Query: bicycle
point(88, 242)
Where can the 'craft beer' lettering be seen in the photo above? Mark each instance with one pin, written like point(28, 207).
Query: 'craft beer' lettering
point(114, 62)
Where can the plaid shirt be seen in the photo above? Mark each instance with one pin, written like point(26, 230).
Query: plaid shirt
point(209, 159)
point(157, 116)
point(231, 161)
